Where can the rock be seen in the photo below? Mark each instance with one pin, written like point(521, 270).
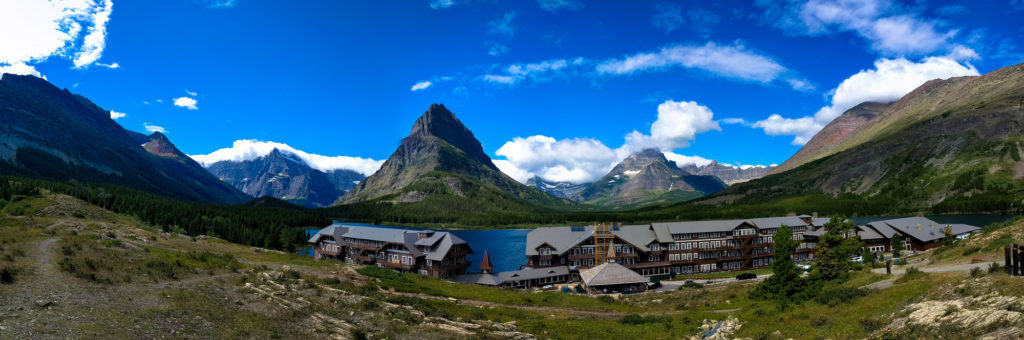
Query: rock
point(45, 303)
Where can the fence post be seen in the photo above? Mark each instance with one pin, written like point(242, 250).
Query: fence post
point(1009, 263)
point(888, 267)
point(1016, 260)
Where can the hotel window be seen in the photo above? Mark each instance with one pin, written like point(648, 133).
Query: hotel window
point(545, 263)
point(673, 246)
point(655, 246)
point(545, 251)
point(430, 263)
point(653, 258)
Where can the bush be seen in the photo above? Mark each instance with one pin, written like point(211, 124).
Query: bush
point(835, 296)
point(385, 274)
point(912, 273)
point(636, 319)
point(995, 267)
point(7, 275)
point(692, 285)
point(976, 272)
point(606, 299)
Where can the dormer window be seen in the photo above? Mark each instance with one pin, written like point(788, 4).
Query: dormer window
point(544, 251)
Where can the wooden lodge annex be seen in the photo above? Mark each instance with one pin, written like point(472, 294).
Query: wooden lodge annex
point(614, 258)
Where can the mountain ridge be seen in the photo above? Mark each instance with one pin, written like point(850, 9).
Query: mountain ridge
point(54, 134)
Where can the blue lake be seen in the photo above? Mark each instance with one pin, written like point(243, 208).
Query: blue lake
point(507, 247)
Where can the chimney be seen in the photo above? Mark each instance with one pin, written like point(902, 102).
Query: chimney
point(918, 227)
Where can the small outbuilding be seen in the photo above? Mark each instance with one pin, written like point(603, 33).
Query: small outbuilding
point(612, 277)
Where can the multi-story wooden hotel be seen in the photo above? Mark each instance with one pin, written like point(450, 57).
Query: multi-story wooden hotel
point(431, 253)
point(670, 248)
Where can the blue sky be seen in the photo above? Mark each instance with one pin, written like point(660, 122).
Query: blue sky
point(557, 88)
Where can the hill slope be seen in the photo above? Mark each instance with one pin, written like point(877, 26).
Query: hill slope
point(53, 134)
point(828, 140)
point(952, 145)
point(648, 177)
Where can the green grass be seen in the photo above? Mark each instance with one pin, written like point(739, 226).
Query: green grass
point(413, 283)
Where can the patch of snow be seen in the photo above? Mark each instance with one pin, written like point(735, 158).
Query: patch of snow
point(630, 173)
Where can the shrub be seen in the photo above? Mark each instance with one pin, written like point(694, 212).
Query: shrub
point(636, 319)
point(382, 273)
point(995, 267)
point(606, 299)
point(835, 296)
point(976, 272)
point(692, 285)
point(7, 275)
point(912, 273)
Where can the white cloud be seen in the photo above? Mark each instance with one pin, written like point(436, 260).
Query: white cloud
point(33, 31)
point(249, 149)
point(191, 93)
point(801, 128)
point(186, 102)
point(20, 69)
point(220, 3)
point(677, 125)
point(154, 128)
point(423, 85)
point(887, 27)
point(117, 115)
point(740, 121)
point(555, 5)
point(110, 66)
point(497, 49)
point(682, 160)
point(668, 16)
point(576, 160)
point(438, 4)
point(538, 72)
point(503, 25)
point(581, 160)
point(729, 61)
point(890, 80)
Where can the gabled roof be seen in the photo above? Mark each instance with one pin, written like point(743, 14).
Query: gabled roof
point(436, 244)
point(610, 273)
point(480, 279)
point(639, 236)
point(531, 274)
point(776, 222)
point(866, 233)
point(698, 226)
point(559, 238)
point(919, 228)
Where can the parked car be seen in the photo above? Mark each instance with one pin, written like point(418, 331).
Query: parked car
point(857, 259)
point(746, 276)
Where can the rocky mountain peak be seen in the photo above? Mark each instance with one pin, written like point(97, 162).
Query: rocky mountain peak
point(441, 123)
point(159, 145)
point(640, 160)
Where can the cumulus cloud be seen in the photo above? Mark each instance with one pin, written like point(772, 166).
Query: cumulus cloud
point(186, 102)
point(20, 69)
point(682, 160)
point(33, 31)
point(677, 125)
point(889, 80)
point(729, 61)
point(249, 149)
point(581, 160)
point(117, 115)
point(886, 26)
point(555, 5)
point(154, 128)
point(503, 25)
point(537, 72)
point(423, 85)
point(576, 160)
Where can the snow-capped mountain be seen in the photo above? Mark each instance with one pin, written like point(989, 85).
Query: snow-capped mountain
point(567, 190)
point(278, 170)
point(730, 174)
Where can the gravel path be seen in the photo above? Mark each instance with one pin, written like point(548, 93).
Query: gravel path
point(966, 267)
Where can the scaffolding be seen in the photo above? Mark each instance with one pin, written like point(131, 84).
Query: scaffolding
point(604, 243)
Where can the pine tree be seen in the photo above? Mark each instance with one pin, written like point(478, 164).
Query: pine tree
point(835, 249)
point(897, 245)
point(785, 283)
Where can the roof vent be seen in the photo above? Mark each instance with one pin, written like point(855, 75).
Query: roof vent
point(577, 228)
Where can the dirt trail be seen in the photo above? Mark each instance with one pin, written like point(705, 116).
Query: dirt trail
point(964, 267)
